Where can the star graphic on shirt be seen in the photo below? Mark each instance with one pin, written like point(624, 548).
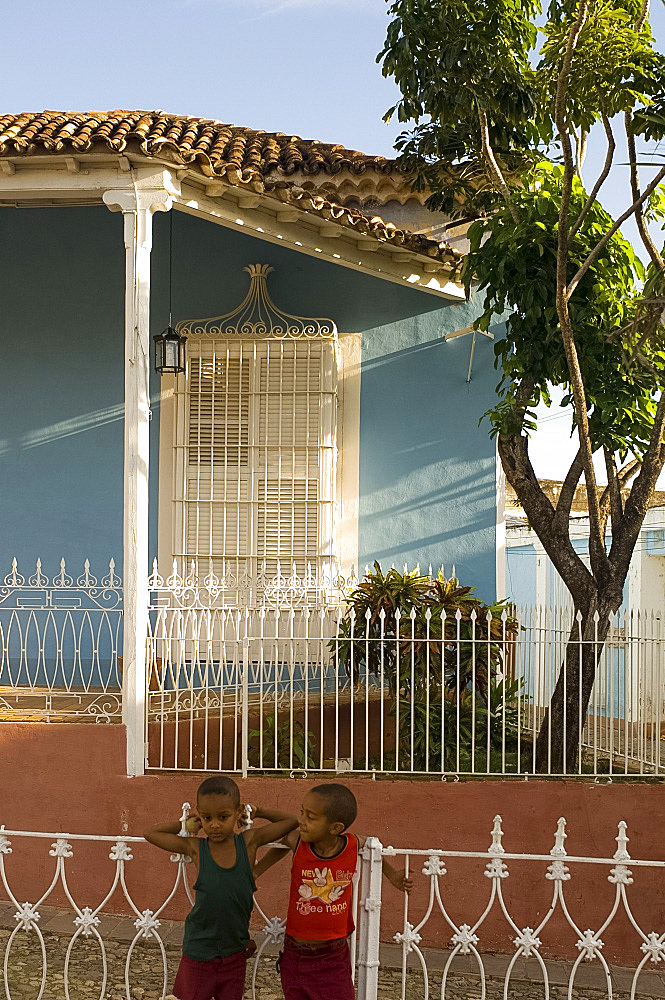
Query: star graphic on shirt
point(322, 886)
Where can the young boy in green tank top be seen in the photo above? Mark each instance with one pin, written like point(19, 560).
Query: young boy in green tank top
point(216, 940)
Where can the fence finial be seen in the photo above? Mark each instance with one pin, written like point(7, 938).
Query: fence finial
point(621, 853)
point(184, 816)
point(496, 847)
point(559, 851)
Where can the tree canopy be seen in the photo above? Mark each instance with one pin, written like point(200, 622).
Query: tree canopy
point(504, 100)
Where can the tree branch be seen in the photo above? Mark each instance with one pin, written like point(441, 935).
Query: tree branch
point(645, 235)
point(602, 243)
point(643, 15)
point(613, 491)
point(640, 496)
point(562, 127)
point(567, 495)
point(580, 151)
point(553, 533)
point(623, 476)
point(597, 553)
point(494, 167)
point(602, 177)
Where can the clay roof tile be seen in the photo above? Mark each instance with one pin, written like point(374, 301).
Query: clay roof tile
point(241, 156)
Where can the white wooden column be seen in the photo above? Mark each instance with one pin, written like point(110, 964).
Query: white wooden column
point(137, 205)
point(500, 529)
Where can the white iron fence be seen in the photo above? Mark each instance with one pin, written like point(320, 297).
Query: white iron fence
point(300, 685)
point(60, 638)
point(491, 917)
point(294, 687)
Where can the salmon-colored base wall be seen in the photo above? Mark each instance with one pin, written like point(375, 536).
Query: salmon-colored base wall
point(72, 778)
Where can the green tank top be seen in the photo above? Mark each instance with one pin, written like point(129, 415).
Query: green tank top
point(218, 924)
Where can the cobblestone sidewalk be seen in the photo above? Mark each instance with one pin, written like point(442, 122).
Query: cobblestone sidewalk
point(85, 968)
point(85, 974)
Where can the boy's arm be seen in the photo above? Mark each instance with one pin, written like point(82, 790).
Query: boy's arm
point(279, 825)
point(166, 838)
point(276, 854)
point(395, 877)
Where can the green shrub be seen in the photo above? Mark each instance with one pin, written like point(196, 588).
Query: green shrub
point(441, 654)
point(277, 735)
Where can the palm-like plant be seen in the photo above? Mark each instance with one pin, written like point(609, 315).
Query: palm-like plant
point(421, 631)
point(439, 651)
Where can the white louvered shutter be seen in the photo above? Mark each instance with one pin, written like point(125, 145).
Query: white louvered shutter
point(260, 457)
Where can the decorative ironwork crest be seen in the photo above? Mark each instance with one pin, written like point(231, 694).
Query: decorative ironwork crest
point(63, 591)
point(258, 316)
point(287, 589)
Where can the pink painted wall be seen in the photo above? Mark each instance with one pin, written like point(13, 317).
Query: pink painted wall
point(71, 778)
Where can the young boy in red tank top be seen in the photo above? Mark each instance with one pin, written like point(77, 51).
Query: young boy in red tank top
point(315, 963)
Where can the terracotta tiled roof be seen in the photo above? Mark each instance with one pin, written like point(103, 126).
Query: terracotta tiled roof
point(262, 161)
point(219, 150)
point(364, 225)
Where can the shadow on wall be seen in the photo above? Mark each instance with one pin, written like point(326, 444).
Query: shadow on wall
point(208, 279)
point(427, 470)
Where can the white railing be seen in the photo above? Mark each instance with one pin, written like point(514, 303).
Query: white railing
point(60, 637)
point(478, 915)
point(582, 911)
point(312, 688)
point(297, 685)
point(86, 896)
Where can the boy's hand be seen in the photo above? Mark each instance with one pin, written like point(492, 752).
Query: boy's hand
point(245, 822)
point(193, 824)
point(400, 880)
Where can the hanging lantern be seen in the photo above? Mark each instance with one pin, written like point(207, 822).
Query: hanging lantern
point(169, 352)
point(169, 344)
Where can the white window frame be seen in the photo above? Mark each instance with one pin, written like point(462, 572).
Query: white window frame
point(344, 547)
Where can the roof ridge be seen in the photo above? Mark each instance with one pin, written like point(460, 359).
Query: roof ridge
point(160, 114)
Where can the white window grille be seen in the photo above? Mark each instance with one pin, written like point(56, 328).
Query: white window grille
point(255, 444)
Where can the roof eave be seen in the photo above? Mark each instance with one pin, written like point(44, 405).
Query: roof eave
point(60, 179)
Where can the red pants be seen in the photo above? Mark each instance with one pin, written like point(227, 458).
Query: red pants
point(316, 974)
point(221, 978)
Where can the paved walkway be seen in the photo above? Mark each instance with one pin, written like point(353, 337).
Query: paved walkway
point(85, 968)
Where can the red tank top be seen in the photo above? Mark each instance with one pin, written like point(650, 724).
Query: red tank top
point(321, 897)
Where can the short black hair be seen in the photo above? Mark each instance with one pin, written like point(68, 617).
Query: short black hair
point(219, 785)
point(340, 803)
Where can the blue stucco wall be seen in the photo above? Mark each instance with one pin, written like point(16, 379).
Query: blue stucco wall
point(61, 378)
point(427, 470)
point(521, 566)
point(427, 476)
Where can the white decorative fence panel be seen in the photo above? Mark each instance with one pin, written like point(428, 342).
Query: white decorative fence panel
point(586, 917)
point(104, 877)
point(472, 924)
point(60, 640)
point(292, 686)
point(301, 684)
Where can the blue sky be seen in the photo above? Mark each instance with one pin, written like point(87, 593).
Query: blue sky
point(305, 67)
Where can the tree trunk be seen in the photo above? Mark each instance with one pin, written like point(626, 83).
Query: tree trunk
point(559, 739)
